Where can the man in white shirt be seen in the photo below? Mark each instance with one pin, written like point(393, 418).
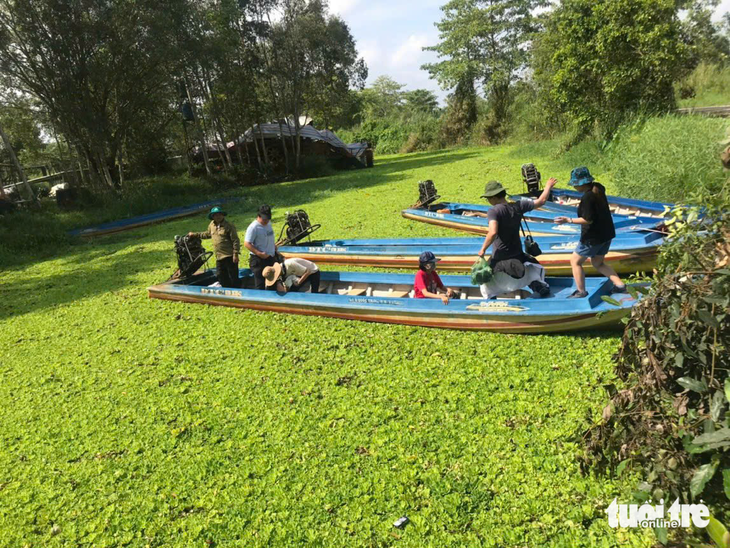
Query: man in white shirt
point(261, 244)
point(292, 276)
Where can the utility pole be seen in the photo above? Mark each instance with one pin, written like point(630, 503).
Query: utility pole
point(18, 167)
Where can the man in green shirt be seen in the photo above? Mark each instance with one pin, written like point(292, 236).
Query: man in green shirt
point(226, 245)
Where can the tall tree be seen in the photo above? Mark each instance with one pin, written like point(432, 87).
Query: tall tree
point(706, 39)
point(602, 60)
point(421, 101)
point(100, 68)
point(486, 41)
point(312, 60)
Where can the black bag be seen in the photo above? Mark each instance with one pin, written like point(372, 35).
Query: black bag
point(531, 246)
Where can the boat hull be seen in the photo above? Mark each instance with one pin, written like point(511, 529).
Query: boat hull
point(628, 254)
point(618, 204)
point(539, 222)
point(145, 220)
point(531, 315)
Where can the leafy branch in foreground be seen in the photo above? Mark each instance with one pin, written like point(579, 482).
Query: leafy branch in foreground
point(671, 417)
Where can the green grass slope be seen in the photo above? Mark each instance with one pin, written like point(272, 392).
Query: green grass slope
point(131, 422)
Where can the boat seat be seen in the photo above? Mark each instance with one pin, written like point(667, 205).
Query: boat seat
point(518, 294)
point(412, 294)
point(356, 292)
point(463, 296)
point(369, 291)
point(390, 293)
point(398, 294)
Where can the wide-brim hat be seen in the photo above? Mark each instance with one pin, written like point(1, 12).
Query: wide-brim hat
point(580, 176)
point(215, 210)
point(271, 274)
point(492, 188)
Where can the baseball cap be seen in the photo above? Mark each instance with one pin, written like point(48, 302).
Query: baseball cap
point(265, 212)
point(427, 257)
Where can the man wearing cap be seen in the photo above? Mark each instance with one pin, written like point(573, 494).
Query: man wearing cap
point(226, 245)
point(261, 244)
point(504, 234)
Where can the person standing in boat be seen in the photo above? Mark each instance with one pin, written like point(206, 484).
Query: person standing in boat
point(505, 219)
point(596, 231)
point(261, 244)
point(226, 246)
point(428, 284)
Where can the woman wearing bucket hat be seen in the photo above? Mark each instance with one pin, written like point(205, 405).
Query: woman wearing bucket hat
point(428, 284)
point(597, 231)
point(226, 245)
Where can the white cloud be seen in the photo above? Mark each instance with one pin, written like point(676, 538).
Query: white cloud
point(410, 51)
point(342, 7)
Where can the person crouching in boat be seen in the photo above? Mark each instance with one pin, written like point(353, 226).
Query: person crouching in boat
point(296, 275)
point(596, 232)
point(428, 284)
point(508, 256)
point(226, 245)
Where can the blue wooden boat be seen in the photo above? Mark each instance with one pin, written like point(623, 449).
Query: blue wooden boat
point(144, 220)
point(618, 204)
point(540, 221)
point(630, 252)
point(387, 298)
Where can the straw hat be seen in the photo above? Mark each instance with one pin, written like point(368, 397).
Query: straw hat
point(272, 274)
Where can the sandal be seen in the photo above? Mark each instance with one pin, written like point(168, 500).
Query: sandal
point(578, 294)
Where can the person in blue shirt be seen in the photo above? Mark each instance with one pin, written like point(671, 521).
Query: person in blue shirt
point(261, 244)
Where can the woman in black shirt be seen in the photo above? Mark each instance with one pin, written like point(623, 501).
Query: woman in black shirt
point(597, 231)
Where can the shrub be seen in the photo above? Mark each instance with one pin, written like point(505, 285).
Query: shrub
point(671, 418)
point(668, 157)
point(706, 85)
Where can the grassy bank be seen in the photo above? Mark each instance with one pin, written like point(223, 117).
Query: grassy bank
point(130, 422)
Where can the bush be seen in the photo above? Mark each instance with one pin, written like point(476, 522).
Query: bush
point(667, 158)
point(425, 135)
point(671, 417)
point(421, 132)
point(706, 85)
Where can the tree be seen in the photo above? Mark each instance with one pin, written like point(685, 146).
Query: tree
point(312, 60)
point(421, 101)
point(383, 99)
point(603, 60)
point(461, 112)
point(486, 41)
point(706, 39)
point(100, 69)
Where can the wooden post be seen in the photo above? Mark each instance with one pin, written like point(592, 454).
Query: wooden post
point(18, 167)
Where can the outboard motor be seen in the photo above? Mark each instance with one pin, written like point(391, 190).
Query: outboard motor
point(532, 179)
point(297, 226)
point(191, 256)
point(427, 194)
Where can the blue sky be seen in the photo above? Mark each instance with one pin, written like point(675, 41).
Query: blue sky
point(390, 36)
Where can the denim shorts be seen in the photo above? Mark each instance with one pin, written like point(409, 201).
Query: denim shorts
point(585, 250)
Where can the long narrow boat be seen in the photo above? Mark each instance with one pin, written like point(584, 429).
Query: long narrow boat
point(541, 222)
point(144, 220)
point(386, 298)
point(618, 204)
point(630, 253)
